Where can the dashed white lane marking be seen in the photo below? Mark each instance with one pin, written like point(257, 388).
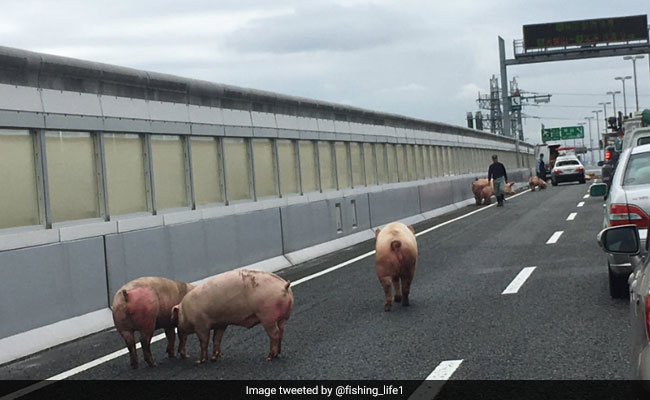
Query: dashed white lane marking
point(586, 196)
point(156, 338)
point(582, 203)
point(519, 280)
point(436, 379)
point(571, 216)
point(555, 237)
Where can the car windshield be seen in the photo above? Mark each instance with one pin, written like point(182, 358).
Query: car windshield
point(567, 162)
point(638, 170)
point(643, 140)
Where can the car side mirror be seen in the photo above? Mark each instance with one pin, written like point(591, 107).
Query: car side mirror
point(597, 189)
point(622, 239)
point(600, 163)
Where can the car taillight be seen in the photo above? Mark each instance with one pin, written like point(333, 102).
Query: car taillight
point(608, 155)
point(623, 214)
point(579, 169)
point(647, 315)
point(557, 171)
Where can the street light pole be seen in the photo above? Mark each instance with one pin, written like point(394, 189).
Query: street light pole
point(622, 79)
point(591, 142)
point(636, 92)
point(613, 102)
point(598, 123)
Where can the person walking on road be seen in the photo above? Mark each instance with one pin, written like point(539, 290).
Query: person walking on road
point(541, 168)
point(497, 176)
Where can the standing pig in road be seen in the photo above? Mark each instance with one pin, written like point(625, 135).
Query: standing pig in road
point(535, 181)
point(239, 297)
point(487, 192)
point(144, 305)
point(477, 189)
point(395, 258)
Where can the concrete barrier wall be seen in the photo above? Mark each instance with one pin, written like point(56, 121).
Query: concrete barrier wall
point(45, 284)
point(40, 285)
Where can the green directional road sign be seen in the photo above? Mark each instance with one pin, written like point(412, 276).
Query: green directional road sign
point(572, 132)
point(566, 132)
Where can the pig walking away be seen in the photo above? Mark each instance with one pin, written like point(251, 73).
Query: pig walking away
point(395, 258)
point(144, 305)
point(239, 297)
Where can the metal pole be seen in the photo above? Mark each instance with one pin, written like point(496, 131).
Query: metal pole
point(598, 126)
point(504, 91)
point(636, 91)
point(591, 141)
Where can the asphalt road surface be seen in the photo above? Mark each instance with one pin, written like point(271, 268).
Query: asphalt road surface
point(555, 321)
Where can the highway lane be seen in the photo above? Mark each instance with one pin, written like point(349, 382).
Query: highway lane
point(560, 324)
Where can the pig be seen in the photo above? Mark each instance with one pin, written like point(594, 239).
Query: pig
point(477, 188)
point(535, 181)
point(238, 297)
point(395, 258)
point(144, 305)
point(488, 191)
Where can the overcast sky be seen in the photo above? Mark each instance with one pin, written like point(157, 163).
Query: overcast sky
point(425, 59)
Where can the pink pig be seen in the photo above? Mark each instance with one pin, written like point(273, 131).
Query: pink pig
point(487, 192)
point(144, 305)
point(238, 297)
point(535, 181)
point(477, 188)
point(395, 258)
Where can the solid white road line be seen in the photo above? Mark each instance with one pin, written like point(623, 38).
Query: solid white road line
point(156, 338)
point(519, 280)
point(582, 203)
point(436, 379)
point(586, 196)
point(555, 237)
point(572, 216)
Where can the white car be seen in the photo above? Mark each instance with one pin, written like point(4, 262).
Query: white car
point(567, 169)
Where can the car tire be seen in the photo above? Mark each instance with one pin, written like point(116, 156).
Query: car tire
point(582, 180)
point(553, 182)
point(618, 288)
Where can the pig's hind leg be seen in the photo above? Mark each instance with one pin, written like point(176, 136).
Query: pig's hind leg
point(146, 333)
point(216, 341)
point(171, 338)
point(406, 288)
point(129, 339)
point(386, 284)
point(204, 338)
point(398, 290)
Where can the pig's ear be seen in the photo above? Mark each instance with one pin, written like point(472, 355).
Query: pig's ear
point(377, 233)
point(411, 229)
point(175, 314)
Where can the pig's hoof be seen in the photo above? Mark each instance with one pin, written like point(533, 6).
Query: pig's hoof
point(398, 299)
point(387, 307)
point(134, 366)
point(199, 362)
point(153, 365)
point(271, 356)
point(215, 356)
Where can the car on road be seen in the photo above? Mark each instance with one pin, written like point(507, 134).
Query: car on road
point(628, 202)
point(567, 169)
point(626, 240)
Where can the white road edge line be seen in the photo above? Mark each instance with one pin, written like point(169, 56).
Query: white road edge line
point(156, 338)
point(586, 196)
point(582, 203)
point(519, 280)
point(555, 237)
point(436, 379)
point(572, 216)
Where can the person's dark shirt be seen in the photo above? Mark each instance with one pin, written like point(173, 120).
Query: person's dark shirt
point(497, 170)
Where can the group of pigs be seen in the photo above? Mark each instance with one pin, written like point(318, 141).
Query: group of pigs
point(483, 190)
point(240, 297)
point(248, 297)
